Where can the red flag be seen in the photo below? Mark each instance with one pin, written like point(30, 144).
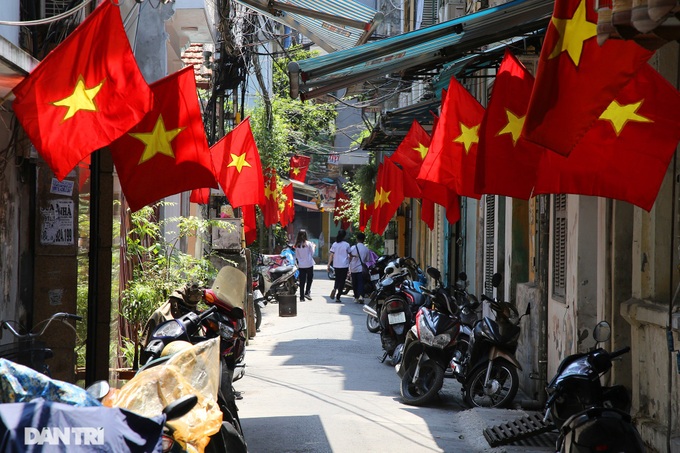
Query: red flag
point(83, 172)
point(288, 213)
point(270, 208)
point(298, 167)
point(85, 94)
point(167, 152)
point(626, 153)
point(576, 77)
point(365, 213)
point(341, 205)
point(249, 223)
point(412, 150)
point(506, 162)
point(452, 156)
point(236, 158)
point(389, 194)
point(200, 196)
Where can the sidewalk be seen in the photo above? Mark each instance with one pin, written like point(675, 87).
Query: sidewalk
point(314, 383)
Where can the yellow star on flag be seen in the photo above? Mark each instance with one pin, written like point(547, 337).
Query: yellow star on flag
point(269, 192)
point(422, 150)
point(157, 141)
point(238, 161)
point(514, 126)
point(468, 136)
point(381, 198)
point(573, 33)
point(296, 170)
point(618, 115)
point(290, 204)
point(82, 98)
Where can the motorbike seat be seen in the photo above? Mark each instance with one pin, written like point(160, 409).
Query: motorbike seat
point(282, 269)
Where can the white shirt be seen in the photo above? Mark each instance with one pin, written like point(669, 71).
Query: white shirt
point(354, 263)
point(340, 251)
point(305, 255)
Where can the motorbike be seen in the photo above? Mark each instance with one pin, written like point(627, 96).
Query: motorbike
point(277, 274)
point(590, 416)
point(224, 319)
point(42, 414)
point(483, 362)
point(398, 271)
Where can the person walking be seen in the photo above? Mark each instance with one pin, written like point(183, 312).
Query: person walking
point(359, 254)
point(304, 253)
point(339, 258)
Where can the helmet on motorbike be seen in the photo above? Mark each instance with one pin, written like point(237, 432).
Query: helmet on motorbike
point(192, 294)
point(599, 429)
point(175, 347)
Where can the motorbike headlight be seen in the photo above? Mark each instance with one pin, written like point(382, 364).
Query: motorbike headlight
point(169, 329)
point(441, 340)
point(226, 331)
point(426, 335)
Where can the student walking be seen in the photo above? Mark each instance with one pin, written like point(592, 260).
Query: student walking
point(359, 254)
point(339, 258)
point(304, 253)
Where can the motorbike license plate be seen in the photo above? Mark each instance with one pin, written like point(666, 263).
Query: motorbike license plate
point(375, 277)
point(396, 318)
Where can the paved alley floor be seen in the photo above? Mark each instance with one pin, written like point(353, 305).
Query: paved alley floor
point(314, 383)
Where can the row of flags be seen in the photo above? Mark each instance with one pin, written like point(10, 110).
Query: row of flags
point(89, 93)
point(598, 120)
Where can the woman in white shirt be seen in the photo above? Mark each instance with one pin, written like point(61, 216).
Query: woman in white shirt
point(339, 256)
point(304, 253)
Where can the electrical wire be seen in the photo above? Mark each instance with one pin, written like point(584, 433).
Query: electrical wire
point(49, 20)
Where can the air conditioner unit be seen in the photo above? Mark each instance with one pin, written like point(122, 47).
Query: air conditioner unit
point(451, 9)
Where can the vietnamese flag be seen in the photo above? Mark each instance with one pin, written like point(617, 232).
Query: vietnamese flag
point(298, 167)
point(625, 155)
point(200, 196)
point(506, 162)
point(249, 223)
point(427, 212)
point(287, 214)
point(389, 194)
point(85, 94)
point(270, 208)
point(452, 156)
point(237, 164)
point(365, 213)
point(576, 77)
point(167, 152)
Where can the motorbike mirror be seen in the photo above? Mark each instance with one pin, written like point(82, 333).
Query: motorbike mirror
point(180, 407)
point(237, 313)
point(602, 331)
point(434, 273)
point(99, 389)
point(496, 280)
point(528, 310)
point(462, 276)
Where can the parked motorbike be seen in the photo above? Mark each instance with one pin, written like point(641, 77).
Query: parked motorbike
point(486, 366)
point(590, 416)
point(277, 274)
point(44, 414)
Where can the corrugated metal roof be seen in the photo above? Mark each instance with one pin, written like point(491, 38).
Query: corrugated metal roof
point(331, 24)
point(420, 50)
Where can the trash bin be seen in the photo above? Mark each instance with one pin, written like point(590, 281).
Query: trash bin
point(287, 305)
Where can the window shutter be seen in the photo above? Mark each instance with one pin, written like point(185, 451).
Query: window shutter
point(560, 246)
point(489, 243)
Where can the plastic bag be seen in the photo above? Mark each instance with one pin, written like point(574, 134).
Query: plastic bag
point(193, 371)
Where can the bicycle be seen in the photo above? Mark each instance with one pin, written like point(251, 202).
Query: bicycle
point(28, 350)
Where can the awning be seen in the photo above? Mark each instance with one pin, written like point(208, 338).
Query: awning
point(418, 51)
point(330, 24)
point(393, 125)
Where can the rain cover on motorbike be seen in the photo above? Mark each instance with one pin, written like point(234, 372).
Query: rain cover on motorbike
point(195, 370)
point(230, 289)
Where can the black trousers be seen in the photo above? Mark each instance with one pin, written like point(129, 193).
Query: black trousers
point(340, 277)
point(306, 277)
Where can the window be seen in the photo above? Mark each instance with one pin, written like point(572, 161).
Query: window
point(559, 273)
point(489, 243)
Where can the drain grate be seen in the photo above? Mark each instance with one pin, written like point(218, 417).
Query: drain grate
point(530, 430)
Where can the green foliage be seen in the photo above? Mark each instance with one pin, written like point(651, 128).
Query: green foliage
point(159, 267)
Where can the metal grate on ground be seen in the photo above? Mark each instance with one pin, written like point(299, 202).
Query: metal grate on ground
point(530, 430)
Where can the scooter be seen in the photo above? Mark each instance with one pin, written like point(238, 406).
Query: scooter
point(277, 274)
point(591, 417)
point(486, 366)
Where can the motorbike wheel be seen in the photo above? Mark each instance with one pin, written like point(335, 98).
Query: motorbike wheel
point(226, 439)
point(372, 324)
point(503, 385)
point(426, 388)
point(258, 316)
point(291, 287)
